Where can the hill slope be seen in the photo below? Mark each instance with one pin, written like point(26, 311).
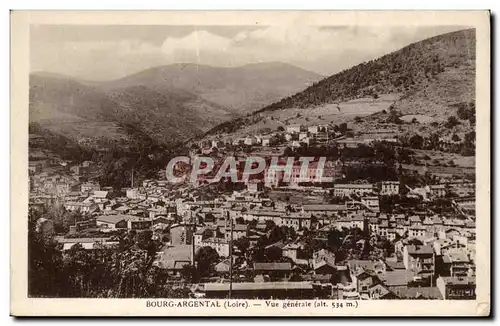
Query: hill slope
point(426, 77)
point(73, 109)
point(238, 89)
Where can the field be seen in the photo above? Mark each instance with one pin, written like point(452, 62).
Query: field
point(324, 114)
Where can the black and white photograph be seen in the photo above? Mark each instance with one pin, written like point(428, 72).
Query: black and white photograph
point(256, 165)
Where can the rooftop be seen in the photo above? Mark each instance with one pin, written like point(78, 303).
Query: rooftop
point(324, 207)
point(114, 218)
point(353, 186)
point(420, 250)
point(259, 286)
point(272, 266)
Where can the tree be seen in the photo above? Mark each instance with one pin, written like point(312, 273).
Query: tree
point(358, 119)
point(205, 258)
point(455, 138)
point(470, 137)
point(452, 122)
point(416, 141)
point(414, 120)
point(280, 128)
point(243, 244)
point(343, 128)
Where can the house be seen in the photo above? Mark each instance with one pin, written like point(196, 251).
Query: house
point(396, 278)
point(174, 258)
point(255, 186)
point(223, 267)
point(269, 140)
point(457, 288)
point(216, 143)
point(132, 193)
point(250, 140)
point(417, 231)
point(294, 129)
point(88, 243)
point(112, 222)
point(342, 190)
point(202, 234)
point(261, 290)
point(139, 223)
point(415, 220)
point(381, 292)
point(296, 220)
point(363, 280)
point(456, 263)
point(219, 245)
point(391, 234)
point(239, 231)
point(437, 190)
point(181, 234)
point(389, 188)
point(274, 270)
point(351, 221)
point(291, 251)
point(83, 207)
point(373, 224)
point(323, 209)
point(323, 262)
point(371, 202)
point(420, 259)
point(90, 187)
point(383, 228)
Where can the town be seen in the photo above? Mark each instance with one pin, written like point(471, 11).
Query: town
point(381, 226)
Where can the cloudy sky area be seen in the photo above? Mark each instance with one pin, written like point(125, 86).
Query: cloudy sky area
point(109, 52)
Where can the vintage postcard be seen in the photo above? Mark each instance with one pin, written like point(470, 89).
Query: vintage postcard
point(250, 163)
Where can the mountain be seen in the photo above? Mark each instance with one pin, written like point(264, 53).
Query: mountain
point(429, 78)
point(238, 89)
point(74, 109)
point(169, 104)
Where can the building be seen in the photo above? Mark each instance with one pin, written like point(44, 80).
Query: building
point(437, 190)
point(273, 270)
point(456, 263)
point(389, 188)
point(181, 234)
point(352, 221)
point(342, 190)
point(294, 129)
point(90, 187)
point(371, 202)
point(88, 243)
point(264, 290)
point(417, 231)
point(82, 207)
point(420, 259)
point(268, 140)
point(139, 223)
point(457, 288)
point(323, 209)
point(174, 258)
point(255, 186)
point(223, 267)
point(297, 220)
point(218, 244)
point(324, 262)
point(239, 231)
point(112, 222)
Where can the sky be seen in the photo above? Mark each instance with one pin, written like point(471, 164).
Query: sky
point(104, 52)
